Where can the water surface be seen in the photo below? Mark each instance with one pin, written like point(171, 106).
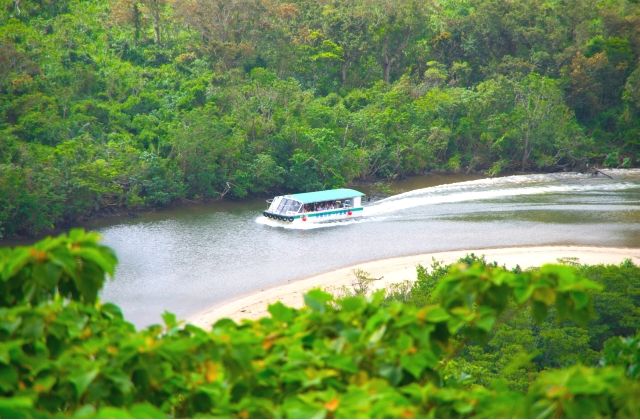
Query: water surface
point(186, 260)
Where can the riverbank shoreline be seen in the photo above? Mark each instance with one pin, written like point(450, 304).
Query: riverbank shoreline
point(375, 188)
point(397, 270)
point(378, 188)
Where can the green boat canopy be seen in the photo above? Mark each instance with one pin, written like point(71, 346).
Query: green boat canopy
point(326, 195)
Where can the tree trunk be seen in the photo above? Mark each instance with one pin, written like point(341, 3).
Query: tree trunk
point(526, 150)
point(386, 61)
point(387, 69)
point(136, 23)
point(156, 28)
point(343, 72)
point(155, 8)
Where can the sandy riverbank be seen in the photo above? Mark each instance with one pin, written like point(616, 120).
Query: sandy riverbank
point(396, 270)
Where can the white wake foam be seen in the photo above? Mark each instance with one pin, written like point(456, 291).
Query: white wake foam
point(439, 195)
point(481, 190)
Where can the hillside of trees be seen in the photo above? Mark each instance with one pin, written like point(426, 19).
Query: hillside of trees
point(470, 340)
point(127, 104)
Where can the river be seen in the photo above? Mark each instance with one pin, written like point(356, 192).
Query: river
point(188, 259)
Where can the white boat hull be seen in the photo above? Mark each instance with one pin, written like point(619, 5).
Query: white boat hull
point(317, 217)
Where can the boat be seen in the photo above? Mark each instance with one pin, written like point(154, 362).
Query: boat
point(316, 206)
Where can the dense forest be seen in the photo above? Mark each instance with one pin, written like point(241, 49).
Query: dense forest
point(470, 340)
point(127, 104)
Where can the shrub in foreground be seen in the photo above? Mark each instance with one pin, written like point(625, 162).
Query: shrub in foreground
point(64, 354)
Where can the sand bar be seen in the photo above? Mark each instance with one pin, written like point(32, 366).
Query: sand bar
point(396, 270)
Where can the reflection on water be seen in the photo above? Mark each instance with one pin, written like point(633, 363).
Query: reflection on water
point(185, 260)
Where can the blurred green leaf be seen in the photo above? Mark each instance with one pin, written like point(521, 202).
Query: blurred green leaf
point(281, 313)
point(82, 379)
point(16, 407)
point(317, 300)
point(146, 411)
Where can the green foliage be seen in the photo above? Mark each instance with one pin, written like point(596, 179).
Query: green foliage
point(351, 357)
point(110, 106)
point(520, 347)
point(69, 266)
point(581, 392)
point(625, 352)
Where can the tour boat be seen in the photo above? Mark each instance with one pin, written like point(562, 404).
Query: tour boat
point(316, 206)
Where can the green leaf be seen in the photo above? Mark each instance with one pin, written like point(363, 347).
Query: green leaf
point(170, 320)
point(147, 411)
point(82, 379)
point(16, 407)
point(121, 381)
point(343, 362)
point(224, 323)
point(17, 261)
point(45, 383)
point(463, 407)
point(281, 312)
point(65, 260)
point(103, 257)
point(487, 320)
point(377, 335)
point(463, 313)
point(298, 409)
point(580, 299)
point(377, 297)
point(8, 379)
point(317, 300)
point(586, 284)
point(4, 352)
point(565, 274)
point(392, 373)
point(352, 303)
point(113, 413)
point(522, 294)
point(544, 294)
point(87, 411)
point(414, 364)
point(112, 310)
point(435, 314)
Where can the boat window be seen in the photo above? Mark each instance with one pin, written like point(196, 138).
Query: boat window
point(273, 205)
point(292, 206)
point(327, 205)
point(288, 205)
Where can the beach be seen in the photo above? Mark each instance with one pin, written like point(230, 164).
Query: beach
point(397, 270)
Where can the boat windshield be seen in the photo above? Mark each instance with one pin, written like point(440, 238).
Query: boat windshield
point(288, 206)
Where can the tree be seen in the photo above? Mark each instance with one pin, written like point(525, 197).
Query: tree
point(228, 30)
point(529, 119)
point(206, 152)
point(155, 8)
point(395, 28)
point(128, 12)
point(345, 24)
point(137, 13)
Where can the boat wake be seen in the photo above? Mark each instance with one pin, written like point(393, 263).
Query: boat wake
point(484, 190)
point(502, 188)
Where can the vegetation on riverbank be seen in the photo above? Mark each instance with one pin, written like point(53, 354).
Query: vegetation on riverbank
point(129, 104)
point(473, 340)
